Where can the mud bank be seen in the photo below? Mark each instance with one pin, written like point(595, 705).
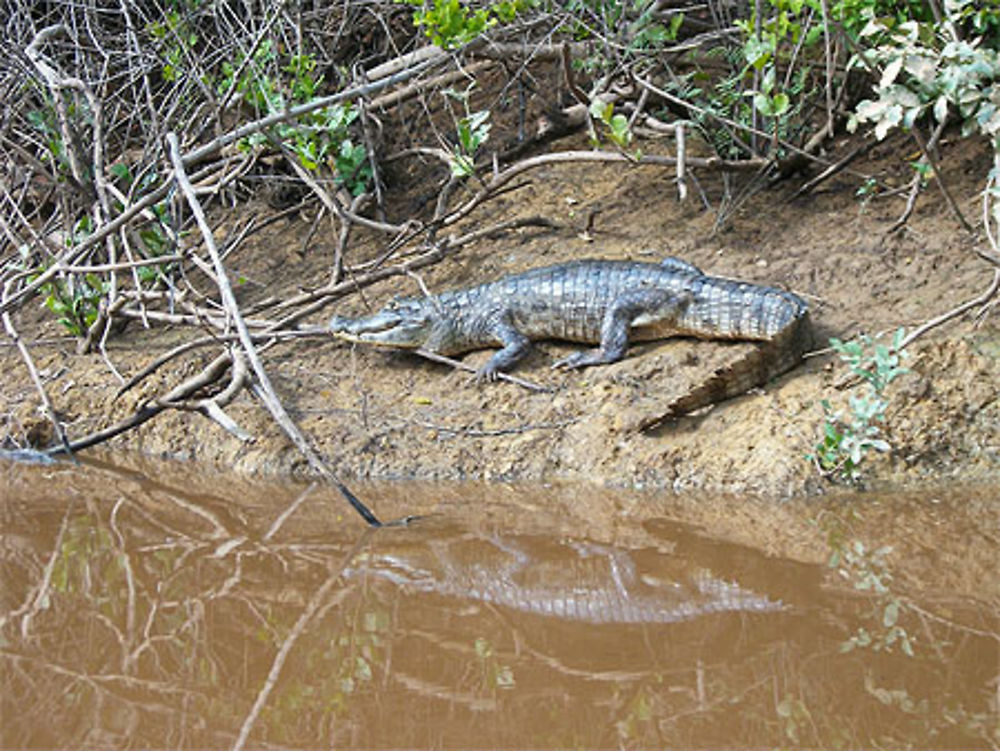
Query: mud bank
point(392, 415)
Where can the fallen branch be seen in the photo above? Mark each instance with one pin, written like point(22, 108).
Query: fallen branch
point(834, 169)
point(981, 300)
point(925, 149)
point(984, 301)
point(264, 389)
point(176, 398)
point(926, 160)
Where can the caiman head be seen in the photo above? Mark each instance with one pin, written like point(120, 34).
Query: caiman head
point(403, 322)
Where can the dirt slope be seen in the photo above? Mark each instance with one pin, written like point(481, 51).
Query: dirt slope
point(387, 414)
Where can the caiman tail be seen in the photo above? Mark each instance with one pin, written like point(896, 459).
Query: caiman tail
point(780, 349)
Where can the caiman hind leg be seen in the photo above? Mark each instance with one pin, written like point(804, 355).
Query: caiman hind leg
point(642, 307)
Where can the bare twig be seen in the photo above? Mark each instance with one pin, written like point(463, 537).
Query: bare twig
point(458, 365)
point(175, 399)
point(681, 162)
point(985, 301)
point(834, 169)
point(928, 158)
point(976, 302)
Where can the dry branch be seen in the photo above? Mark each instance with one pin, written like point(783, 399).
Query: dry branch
point(36, 379)
point(607, 157)
point(270, 398)
point(176, 398)
point(977, 302)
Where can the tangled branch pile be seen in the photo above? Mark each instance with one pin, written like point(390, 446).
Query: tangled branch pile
point(135, 137)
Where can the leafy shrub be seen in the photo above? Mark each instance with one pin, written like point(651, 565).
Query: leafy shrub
point(845, 442)
point(318, 138)
point(928, 69)
point(450, 23)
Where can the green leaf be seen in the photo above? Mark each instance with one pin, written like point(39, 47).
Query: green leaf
point(757, 52)
point(121, 171)
point(601, 110)
point(779, 104)
point(891, 72)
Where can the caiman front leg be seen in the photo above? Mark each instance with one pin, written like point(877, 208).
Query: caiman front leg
point(515, 346)
point(637, 308)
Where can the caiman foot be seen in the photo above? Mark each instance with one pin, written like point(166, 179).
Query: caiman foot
point(488, 373)
point(583, 358)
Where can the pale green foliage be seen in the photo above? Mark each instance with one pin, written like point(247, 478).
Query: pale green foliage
point(319, 138)
point(783, 27)
point(928, 69)
point(472, 130)
point(75, 299)
point(768, 101)
point(844, 443)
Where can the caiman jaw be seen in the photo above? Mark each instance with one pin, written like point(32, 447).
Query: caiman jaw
point(390, 327)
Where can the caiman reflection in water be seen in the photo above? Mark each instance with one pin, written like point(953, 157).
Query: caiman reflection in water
point(571, 579)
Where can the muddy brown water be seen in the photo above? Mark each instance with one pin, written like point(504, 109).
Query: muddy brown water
point(162, 606)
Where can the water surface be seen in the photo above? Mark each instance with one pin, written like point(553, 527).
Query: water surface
point(162, 606)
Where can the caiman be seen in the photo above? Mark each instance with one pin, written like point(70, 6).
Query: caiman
point(607, 303)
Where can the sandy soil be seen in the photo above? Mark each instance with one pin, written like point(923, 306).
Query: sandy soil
point(392, 415)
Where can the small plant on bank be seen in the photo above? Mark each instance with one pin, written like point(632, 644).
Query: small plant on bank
point(618, 129)
point(318, 138)
point(75, 301)
point(845, 441)
point(472, 131)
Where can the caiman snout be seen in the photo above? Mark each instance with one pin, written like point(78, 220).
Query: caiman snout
point(402, 323)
